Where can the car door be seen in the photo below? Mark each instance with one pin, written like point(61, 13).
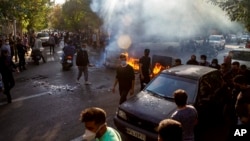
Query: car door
point(210, 96)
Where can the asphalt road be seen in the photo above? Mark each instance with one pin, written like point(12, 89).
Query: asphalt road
point(47, 101)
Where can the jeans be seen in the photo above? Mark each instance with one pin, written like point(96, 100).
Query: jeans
point(123, 95)
point(9, 83)
point(52, 48)
point(21, 61)
point(144, 81)
point(83, 69)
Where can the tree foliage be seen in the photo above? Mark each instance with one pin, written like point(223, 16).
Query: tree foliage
point(237, 10)
point(30, 13)
point(74, 15)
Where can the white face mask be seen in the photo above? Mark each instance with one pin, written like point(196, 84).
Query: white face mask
point(213, 64)
point(202, 61)
point(89, 135)
point(123, 63)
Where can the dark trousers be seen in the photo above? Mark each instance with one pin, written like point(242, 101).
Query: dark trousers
point(52, 48)
point(144, 81)
point(123, 95)
point(21, 61)
point(9, 83)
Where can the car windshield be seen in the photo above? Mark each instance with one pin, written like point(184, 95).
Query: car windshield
point(241, 55)
point(42, 35)
point(214, 38)
point(165, 85)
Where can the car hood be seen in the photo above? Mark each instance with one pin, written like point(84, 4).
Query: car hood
point(151, 107)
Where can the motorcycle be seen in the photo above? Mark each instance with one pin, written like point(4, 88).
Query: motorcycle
point(209, 51)
point(188, 46)
point(67, 62)
point(36, 56)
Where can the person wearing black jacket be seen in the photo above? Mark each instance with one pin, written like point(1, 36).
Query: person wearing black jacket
point(6, 68)
point(82, 62)
point(21, 50)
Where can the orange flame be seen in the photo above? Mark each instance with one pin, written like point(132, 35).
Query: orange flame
point(157, 68)
point(134, 62)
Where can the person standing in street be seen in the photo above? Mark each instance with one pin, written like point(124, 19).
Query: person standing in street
point(82, 62)
point(145, 68)
point(185, 114)
point(126, 78)
point(192, 60)
point(52, 43)
point(203, 61)
point(6, 69)
point(21, 50)
point(6, 46)
point(94, 119)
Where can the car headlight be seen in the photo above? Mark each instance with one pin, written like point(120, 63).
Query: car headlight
point(122, 114)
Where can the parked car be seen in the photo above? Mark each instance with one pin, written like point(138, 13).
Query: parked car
point(44, 36)
point(244, 38)
point(242, 55)
point(138, 117)
point(218, 41)
point(231, 38)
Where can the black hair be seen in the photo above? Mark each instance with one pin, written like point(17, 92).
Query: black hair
point(240, 79)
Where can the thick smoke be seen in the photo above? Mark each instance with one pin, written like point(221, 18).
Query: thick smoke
point(161, 20)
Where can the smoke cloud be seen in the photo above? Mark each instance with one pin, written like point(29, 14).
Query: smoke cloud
point(161, 20)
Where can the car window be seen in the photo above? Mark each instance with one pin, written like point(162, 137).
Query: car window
point(241, 55)
point(165, 85)
point(216, 38)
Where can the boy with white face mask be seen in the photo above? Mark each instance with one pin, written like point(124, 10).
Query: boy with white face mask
point(6, 46)
point(95, 126)
point(203, 61)
point(125, 78)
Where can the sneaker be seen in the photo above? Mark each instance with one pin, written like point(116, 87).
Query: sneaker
point(87, 83)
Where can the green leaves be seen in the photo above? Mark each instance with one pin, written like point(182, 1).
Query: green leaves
point(237, 10)
point(74, 15)
point(30, 13)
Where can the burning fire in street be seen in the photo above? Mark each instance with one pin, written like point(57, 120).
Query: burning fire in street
point(157, 68)
point(134, 62)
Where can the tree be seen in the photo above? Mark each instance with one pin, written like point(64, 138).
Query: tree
point(78, 15)
point(29, 13)
point(56, 18)
point(237, 10)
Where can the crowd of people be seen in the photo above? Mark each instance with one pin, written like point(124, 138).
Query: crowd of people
point(179, 127)
point(236, 85)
